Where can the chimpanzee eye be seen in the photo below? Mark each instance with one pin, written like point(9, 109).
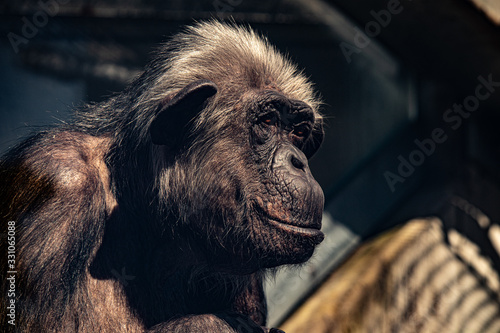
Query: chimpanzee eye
point(301, 131)
point(269, 119)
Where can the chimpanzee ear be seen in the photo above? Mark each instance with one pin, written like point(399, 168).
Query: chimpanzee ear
point(171, 124)
point(312, 145)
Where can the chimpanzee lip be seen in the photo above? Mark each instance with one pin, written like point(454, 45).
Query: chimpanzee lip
point(311, 232)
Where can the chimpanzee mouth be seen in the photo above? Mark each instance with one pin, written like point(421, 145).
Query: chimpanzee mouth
point(311, 232)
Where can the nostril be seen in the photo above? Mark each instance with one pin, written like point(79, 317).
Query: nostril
point(297, 164)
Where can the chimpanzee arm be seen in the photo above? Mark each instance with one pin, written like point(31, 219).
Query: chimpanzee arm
point(213, 323)
point(54, 194)
point(210, 323)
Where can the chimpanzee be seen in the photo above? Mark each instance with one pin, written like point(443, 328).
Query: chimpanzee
point(162, 208)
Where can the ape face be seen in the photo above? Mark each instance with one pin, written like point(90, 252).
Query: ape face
point(285, 207)
point(247, 192)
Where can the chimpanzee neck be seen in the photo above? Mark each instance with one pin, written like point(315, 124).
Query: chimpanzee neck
point(158, 297)
point(167, 279)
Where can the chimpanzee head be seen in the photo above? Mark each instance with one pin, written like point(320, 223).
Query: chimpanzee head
point(231, 141)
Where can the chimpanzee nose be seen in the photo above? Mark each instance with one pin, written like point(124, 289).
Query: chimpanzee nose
point(290, 159)
point(293, 180)
point(297, 163)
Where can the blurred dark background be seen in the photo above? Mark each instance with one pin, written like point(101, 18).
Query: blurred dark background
point(388, 72)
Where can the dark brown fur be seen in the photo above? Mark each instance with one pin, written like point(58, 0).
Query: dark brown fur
point(162, 208)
